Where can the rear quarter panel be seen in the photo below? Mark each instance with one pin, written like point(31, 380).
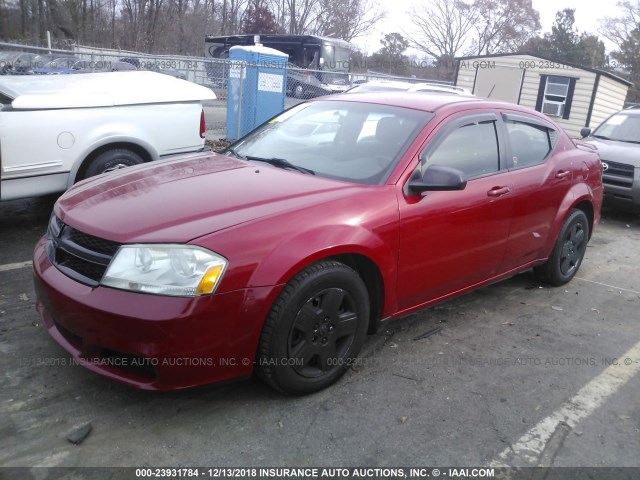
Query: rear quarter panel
point(586, 189)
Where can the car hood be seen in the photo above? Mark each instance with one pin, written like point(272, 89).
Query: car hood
point(182, 199)
point(615, 151)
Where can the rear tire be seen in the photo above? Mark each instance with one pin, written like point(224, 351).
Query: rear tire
point(110, 160)
point(568, 252)
point(315, 329)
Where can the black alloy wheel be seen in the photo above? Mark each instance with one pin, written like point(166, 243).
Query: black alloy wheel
point(315, 329)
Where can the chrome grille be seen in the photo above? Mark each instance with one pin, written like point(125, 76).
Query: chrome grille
point(618, 174)
point(620, 169)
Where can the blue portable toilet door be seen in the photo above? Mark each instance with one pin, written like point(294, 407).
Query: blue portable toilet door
point(256, 87)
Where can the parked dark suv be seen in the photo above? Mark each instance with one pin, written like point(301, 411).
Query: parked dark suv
point(618, 142)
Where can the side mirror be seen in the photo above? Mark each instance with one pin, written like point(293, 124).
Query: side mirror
point(437, 178)
point(585, 132)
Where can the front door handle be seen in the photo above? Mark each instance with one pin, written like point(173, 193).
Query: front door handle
point(563, 174)
point(498, 191)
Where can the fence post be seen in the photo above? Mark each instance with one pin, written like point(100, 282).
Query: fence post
point(240, 98)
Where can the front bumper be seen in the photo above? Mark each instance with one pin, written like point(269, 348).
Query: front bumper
point(622, 191)
point(624, 198)
point(151, 342)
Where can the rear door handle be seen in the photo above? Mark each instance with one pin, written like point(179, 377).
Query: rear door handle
point(497, 191)
point(563, 174)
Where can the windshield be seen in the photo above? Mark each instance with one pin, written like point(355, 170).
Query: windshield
point(349, 141)
point(620, 127)
point(342, 59)
point(335, 58)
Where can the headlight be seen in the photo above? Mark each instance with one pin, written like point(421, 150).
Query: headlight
point(179, 270)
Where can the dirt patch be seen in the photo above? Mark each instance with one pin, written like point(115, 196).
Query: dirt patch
point(218, 145)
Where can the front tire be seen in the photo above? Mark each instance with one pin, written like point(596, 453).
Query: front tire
point(568, 252)
point(299, 91)
point(315, 329)
point(110, 160)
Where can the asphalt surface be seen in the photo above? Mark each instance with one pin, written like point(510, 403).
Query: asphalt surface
point(511, 374)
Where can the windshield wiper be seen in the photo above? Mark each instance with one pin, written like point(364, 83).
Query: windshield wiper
point(601, 137)
point(234, 153)
point(280, 163)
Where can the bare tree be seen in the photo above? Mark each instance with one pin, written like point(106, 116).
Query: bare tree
point(619, 29)
point(4, 20)
point(624, 31)
point(56, 21)
point(178, 26)
point(346, 19)
point(111, 21)
point(299, 15)
point(444, 30)
point(259, 20)
point(503, 25)
point(232, 13)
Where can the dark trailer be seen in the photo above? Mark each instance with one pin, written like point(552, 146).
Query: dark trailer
point(317, 65)
point(305, 51)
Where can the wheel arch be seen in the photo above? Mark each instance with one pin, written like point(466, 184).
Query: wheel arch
point(371, 268)
point(370, 274)
point(587, 207)
point(578, 197)
point(146, 152)
point(364, 265)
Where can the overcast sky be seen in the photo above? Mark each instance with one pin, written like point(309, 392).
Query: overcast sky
point(587, 14)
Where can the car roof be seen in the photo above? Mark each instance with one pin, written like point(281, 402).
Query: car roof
point(434, 87)
point(388, 83)
point(428, 102)
point(381, 85)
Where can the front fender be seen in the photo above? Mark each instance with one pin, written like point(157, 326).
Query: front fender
point(297, 252)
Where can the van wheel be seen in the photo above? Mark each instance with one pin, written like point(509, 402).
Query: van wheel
point(110, 160)
point(315, 329)
point(299, 91)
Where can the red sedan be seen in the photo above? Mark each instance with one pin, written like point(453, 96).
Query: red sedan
point(329, 220)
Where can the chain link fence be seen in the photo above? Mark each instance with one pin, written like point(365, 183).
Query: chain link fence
point(299, 85)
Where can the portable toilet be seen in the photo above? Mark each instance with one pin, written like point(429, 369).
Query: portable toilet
point(256, 87)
